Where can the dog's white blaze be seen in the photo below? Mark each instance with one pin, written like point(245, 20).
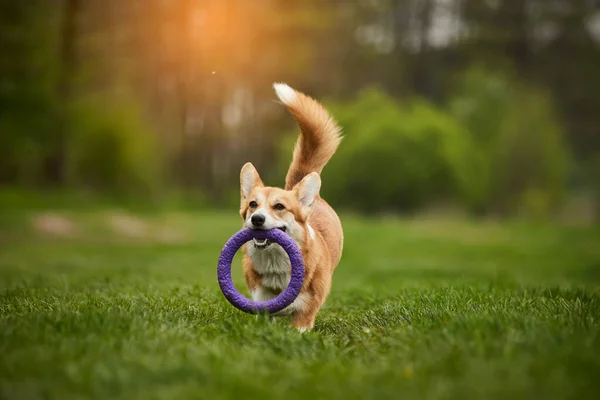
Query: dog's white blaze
point(269, 223)
point(286, 94)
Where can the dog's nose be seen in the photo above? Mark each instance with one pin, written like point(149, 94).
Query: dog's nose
point(258, 220)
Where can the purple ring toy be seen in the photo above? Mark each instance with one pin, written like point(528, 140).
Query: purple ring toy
point(226, 283)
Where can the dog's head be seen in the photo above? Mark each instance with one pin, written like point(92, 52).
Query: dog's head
point(264, 207)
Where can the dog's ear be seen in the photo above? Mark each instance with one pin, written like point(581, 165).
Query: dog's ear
point(249, 180)
point(307, 191)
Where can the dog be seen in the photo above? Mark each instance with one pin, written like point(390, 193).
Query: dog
point(299, 211)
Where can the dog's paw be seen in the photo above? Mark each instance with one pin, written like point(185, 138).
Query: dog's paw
point(302, 330)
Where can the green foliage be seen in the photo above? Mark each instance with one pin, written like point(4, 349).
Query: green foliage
point(399, 157)
point(103, 140)
point(461, 312)
point(29, 70)
point(207, 89)
point(111, 146)
point(517, 128)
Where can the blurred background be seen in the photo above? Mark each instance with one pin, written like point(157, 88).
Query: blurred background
point(482, 107)
point(468, 184)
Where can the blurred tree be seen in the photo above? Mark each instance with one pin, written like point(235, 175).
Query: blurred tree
point(201, 70)
point(405, 157)
point(28, 89)
point(526, 159)
point(56, 166)
point(553, 43)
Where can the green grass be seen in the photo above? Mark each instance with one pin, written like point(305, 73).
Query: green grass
point(419, 309)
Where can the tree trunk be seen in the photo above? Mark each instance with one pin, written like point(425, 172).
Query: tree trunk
point(57, 168)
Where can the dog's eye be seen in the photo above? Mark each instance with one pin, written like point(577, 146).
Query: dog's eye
point(253, 204)
point(279, 206)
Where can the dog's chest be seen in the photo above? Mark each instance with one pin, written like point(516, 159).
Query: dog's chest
point(273, 265)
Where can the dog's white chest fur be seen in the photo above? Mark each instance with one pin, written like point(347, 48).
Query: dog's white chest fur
point(275, 267)
point(273, 264)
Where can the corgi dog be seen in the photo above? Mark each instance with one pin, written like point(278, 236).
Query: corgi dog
point(299, 211)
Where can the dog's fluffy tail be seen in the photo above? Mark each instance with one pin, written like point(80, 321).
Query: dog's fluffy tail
point(319, 138)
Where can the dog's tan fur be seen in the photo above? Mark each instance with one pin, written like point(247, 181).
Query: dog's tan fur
point(309, 220)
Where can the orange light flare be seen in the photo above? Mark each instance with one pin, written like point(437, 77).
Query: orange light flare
point(224, 35)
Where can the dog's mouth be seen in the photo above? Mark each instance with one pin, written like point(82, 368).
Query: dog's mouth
point(261, 243)
point(264, 243)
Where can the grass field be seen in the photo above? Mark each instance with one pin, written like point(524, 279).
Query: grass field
point(106, 305)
